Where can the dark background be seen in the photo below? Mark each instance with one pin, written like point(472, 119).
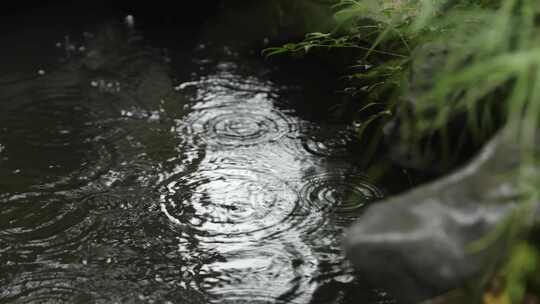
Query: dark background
point(148, 13)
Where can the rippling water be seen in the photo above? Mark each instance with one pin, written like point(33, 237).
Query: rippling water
point(124, 179)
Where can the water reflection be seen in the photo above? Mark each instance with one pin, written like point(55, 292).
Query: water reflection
point(122, 185)
point(265, 195)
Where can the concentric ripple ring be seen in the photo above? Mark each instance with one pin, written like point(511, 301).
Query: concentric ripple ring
point(233, 126)
point(337, 192)
point(230, 203)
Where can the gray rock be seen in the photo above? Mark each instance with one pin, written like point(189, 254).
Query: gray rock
point(417, 245)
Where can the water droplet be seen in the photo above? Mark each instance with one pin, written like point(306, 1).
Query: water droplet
point(130, 21)
point(41, 72)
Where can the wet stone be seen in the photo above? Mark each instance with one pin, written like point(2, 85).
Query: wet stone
point(418, 244)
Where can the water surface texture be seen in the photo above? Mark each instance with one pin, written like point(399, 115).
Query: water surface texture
point(134, 174)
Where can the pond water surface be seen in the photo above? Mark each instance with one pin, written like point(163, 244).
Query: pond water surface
point(134, 174)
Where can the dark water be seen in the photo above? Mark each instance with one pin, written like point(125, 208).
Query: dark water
point(134, 174)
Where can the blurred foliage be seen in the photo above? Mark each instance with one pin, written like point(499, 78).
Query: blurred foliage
point(430, 60)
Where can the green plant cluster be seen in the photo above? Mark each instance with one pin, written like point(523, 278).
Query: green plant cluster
point(440, 58)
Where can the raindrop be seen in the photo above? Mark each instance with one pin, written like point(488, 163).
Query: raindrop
point(130, 21)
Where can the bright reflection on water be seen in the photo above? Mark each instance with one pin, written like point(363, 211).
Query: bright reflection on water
point(119, 184)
